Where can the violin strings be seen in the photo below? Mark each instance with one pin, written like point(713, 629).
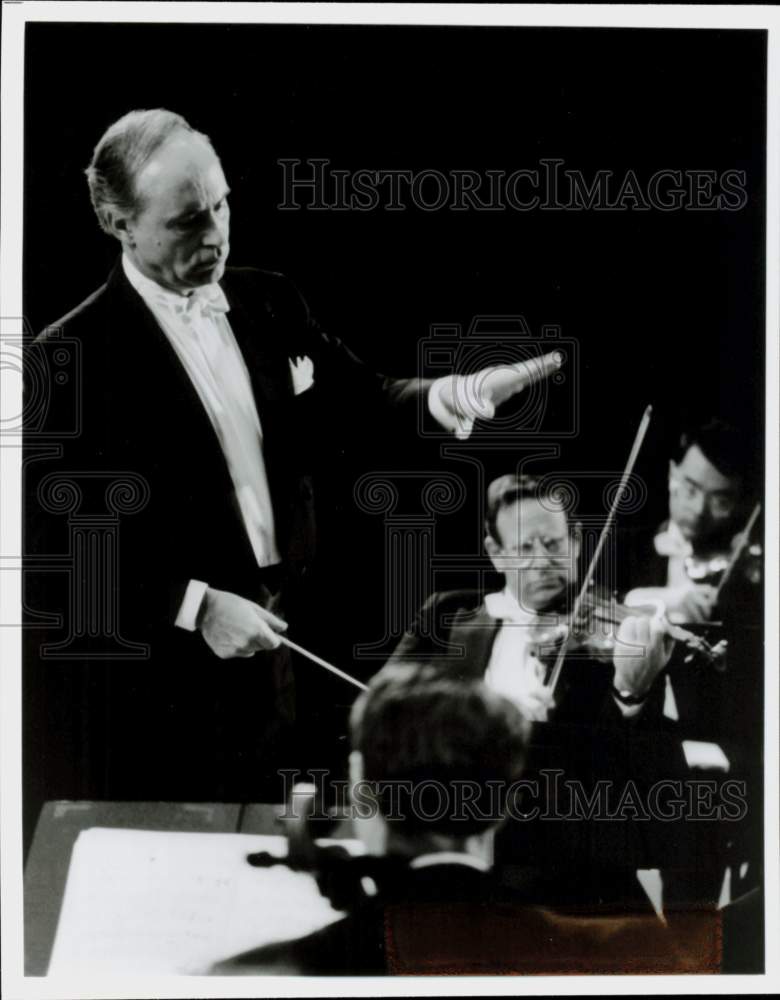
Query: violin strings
point(743, 543)
point(638, 439)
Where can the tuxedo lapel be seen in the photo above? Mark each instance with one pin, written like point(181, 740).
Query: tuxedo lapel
point(263, 341)
point(181, 447)
point(474, 632)
point(139, 343)
point(265, 357)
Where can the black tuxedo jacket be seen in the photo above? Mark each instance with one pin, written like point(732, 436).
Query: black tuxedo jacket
point(455, 631)
point(449, 919)
point(587, 740)
point(177, 709)
point(726, 707)
point(140, 413)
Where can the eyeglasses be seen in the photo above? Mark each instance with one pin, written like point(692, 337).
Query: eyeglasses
point(550, 546)
point(718, 504)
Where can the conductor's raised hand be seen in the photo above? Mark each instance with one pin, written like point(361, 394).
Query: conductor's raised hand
point(496, 385)
point(235, 627)
point(466, 398)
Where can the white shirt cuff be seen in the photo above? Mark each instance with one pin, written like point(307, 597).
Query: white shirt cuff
point(190, 606)
point(461, 424)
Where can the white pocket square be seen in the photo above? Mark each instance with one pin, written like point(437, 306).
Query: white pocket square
point(302, 371)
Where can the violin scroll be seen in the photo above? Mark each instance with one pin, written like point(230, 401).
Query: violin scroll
point(344, 879)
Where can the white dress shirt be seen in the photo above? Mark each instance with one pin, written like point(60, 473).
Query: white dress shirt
point(197, 328)
point(671, 544)
point(676, 548)
point(513, 669)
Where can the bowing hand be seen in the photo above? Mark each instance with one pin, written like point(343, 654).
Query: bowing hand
point(687, 603)
point(642, 650)
point(235, 627)
point(691, 604)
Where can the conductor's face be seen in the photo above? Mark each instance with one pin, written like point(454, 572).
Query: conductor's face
point(179, 234)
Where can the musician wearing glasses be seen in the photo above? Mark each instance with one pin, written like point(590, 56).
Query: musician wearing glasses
point(508, 635)
point(601, 723)
point(704, 564)
point(691, 551)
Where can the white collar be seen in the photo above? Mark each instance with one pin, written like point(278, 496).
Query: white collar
point(670, 542)
point(450, 858)
point(503, 604)
point(151, 292)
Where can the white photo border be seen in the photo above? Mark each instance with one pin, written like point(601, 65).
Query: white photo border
point(15, 17)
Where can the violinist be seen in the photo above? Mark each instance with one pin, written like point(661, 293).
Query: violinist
point(502, 636)
point(703, 563)
point(708, 494)
point(434, 904)
point(602, 723)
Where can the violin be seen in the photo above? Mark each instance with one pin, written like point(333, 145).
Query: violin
point(717, 566)
point(343, 878)
point(591, 631)
point(587, 610)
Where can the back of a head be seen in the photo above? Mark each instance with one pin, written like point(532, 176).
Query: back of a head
point(428, 739)
point(122, 152)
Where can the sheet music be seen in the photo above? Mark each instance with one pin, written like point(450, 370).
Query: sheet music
point(177, 902)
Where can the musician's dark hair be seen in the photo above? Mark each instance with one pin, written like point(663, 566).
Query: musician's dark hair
point(508, 489)
point(423, 734)
point(122, 151)
point(720, 443)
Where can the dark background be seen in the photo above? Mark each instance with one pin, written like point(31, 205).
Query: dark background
point(666, 308)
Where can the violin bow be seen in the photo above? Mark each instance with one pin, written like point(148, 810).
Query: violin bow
point(741, 546)
point(644, 423)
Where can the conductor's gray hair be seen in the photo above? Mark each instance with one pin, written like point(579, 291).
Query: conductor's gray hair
point(120, 155)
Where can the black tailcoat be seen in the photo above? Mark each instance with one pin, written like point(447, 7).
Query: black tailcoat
point(175, 721)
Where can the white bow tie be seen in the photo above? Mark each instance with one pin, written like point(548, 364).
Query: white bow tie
point(206, 298)
point(671, 542)
point(545, 629)
point(502, 605)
